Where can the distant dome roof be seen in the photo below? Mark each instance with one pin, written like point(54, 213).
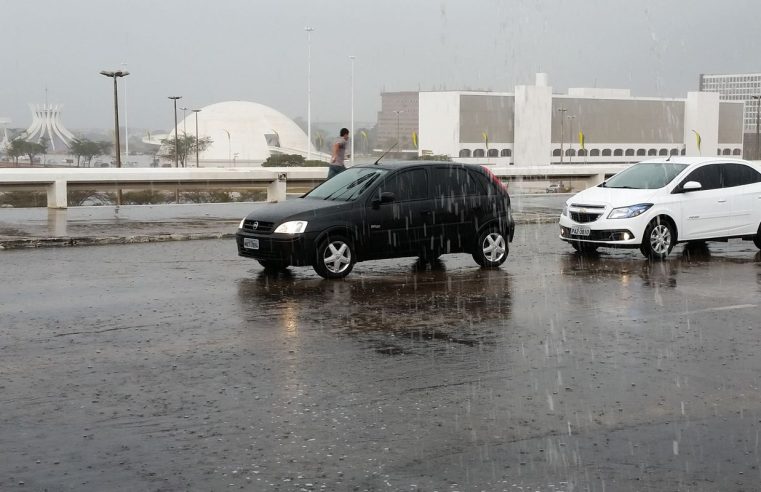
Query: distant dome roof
point(252, 128)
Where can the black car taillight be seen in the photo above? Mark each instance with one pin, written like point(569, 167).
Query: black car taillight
point(495, 179)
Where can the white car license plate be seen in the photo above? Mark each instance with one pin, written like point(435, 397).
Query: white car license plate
point(581, 230)
point(250, 243)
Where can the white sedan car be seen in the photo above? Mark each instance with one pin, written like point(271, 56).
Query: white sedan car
point(655, 204)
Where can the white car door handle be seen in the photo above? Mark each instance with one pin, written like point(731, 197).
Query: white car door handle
point(722, 201)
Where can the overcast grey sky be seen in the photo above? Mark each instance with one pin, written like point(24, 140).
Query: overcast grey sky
point(212, 51)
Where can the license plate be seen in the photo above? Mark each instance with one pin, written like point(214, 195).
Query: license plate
point(250, 243)
point(581, 230)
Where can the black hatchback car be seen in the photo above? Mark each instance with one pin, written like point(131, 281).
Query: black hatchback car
point(380, 211)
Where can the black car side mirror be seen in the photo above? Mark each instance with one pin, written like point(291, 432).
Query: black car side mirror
point(385, 197)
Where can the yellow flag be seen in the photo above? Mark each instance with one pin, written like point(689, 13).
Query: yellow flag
point(581, 139)
point(414, 139)
point(698, 140)
point(486, 139)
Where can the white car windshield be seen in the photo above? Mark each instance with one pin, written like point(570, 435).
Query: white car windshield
point(348, 185)
point(645, 176)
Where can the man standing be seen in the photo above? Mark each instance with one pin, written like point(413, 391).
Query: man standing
point(339, 154)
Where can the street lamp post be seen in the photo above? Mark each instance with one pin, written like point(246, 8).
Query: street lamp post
point(562, 117)
point(117, 147)
point(570, 133)
point(115, 75)
point(352, 58)
point(176, 146)
point(184, 123)
point(196, 111)
point(397, 112)
point(229, 146)
point(184, 136)
point(309, 31)
point(126, 120)
point(758, 113)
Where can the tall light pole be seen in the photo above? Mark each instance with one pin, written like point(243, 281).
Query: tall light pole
point(758, 113)
point(229, 146)
point(570, 132)
point(126, 121)
point(176, 146)
point(352, 58)
point(184, 123)
point(117, 146)
point(397, 112)
point(196, 111)
point(562, 117)
point(309, 31)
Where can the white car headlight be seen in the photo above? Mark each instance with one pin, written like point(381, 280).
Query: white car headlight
point(629, 212)
point(293, 227)
point(565, 210)
point(240, 226)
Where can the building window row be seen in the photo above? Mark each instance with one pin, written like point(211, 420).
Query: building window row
point(617, 152)
point(483, 153)
point(728, 152)
point(596, 152)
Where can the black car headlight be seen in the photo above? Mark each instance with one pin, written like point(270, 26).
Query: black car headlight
point(292, 227)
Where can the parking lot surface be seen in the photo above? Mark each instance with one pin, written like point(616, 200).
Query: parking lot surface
point(180, 366)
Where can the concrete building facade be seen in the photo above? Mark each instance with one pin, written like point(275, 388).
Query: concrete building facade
point(397, 121)
point(744, 87)
point(534, 127)
point(740, 87)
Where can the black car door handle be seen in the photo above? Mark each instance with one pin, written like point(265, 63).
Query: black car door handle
point(426, 212)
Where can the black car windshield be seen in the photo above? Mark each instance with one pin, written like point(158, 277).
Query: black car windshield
point(348, 185)
point(645, 176)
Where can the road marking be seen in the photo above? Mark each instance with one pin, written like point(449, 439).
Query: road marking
point(722, 308)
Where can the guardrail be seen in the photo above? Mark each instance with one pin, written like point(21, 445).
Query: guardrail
point(57, 181)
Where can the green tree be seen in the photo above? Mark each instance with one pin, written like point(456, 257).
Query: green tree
point(33, 149)
point(86, 149)
point(291, 160)
point(19, 147)
point(186, 145)
point(16, 149)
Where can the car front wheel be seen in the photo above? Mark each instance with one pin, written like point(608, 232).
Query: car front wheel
point(757, 238)
point(659, 239)
point(335, 258)
point(492, 248)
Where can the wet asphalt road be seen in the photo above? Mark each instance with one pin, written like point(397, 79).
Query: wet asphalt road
point(179, 366)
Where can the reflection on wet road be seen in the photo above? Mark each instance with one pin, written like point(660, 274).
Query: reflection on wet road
point(181, 366)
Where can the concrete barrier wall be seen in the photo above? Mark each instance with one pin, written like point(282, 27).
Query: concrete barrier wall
point(57, 181)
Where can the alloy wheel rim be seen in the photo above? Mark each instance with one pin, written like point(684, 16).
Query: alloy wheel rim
point(494, 247)
point(337, 257)
point(660, 239)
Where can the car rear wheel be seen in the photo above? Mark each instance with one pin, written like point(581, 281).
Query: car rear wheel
point(757, 238)
point(273, 265)
point(584, 247)
point(335, 257)
point(659, 239)
point(492, 248)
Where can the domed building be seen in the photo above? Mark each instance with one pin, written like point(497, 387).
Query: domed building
point(243, 133)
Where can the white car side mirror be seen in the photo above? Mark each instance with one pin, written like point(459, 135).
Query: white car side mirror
point(692, 186)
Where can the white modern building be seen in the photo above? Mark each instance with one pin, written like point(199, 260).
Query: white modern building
point(744, 87)
point(4, 140)
point(47, 124)
point(243, 133)
point(533, 126)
